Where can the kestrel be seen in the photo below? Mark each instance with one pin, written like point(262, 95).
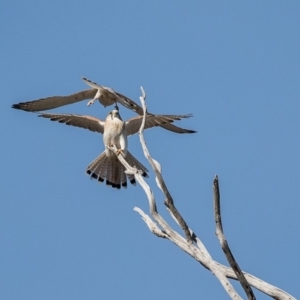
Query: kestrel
point(105, 95)
point(107, 166)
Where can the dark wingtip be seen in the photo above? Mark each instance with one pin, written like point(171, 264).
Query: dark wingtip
point(183, 131)
point(19, 106)
point(191, 131)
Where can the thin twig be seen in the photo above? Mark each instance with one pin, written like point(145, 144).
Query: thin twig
point(225, 247)
point(151, 225)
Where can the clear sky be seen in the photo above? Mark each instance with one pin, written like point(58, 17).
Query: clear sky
point(234, 64)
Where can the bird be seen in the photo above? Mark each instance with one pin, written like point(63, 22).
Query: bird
point(105, 95)
point(115, 132)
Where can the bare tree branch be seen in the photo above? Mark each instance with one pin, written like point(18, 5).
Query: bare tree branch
point(191, 244)
point(152, 226)
point(170, 204)
point(224, 245)
point(169, 200)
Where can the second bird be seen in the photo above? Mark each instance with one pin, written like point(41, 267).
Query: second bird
point(107, 166)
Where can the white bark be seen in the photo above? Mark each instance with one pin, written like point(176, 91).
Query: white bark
point(191, 244)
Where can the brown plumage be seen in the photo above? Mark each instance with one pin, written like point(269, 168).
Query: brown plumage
point(110, 168)
point(107, 166)
point(105, 95)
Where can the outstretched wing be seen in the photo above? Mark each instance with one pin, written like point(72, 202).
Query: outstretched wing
point(133, 125)
point(55, 101)
point(176, 129)
point(87, 122)
point(109, 97)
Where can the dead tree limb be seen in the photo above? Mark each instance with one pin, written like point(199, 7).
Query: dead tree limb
point(224, 245)
point(169, 200)
point(190, 244)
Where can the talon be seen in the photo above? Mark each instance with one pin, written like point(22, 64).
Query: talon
point(91, 102)
point(119, 151)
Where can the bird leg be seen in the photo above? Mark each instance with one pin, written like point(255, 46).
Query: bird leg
point(97, 97)
point(91, 102)
point(119, 151)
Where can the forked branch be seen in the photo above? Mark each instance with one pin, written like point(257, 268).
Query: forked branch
point(191, 244)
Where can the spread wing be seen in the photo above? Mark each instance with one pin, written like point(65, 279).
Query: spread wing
point(87, 122)
point(176, 129)
point(55, 101)
point(133, 125)
point(109, 97)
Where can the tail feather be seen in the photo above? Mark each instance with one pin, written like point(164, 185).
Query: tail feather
point(98, 167)
point(131, 179)
point(102, 169)
point(95, 164)
point(123, 176)
point(113, 174)
point(111, 170)
point(135, 163)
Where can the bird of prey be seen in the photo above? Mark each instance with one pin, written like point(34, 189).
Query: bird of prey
point(107, 166)
point(105, 95)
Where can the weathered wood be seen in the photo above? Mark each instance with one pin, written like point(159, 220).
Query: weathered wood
point(224, 244)
point(191, 244)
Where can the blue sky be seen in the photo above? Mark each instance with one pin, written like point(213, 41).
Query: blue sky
point(233, 64)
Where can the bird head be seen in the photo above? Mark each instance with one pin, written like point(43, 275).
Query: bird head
point(114, 114)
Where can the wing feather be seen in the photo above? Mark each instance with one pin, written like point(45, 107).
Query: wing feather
point(114, 96)
point(107, 97)
point(55, 101)
point(133, 125)
point(87, 122)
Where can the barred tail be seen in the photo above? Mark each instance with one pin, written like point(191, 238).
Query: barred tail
point(110, 168)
